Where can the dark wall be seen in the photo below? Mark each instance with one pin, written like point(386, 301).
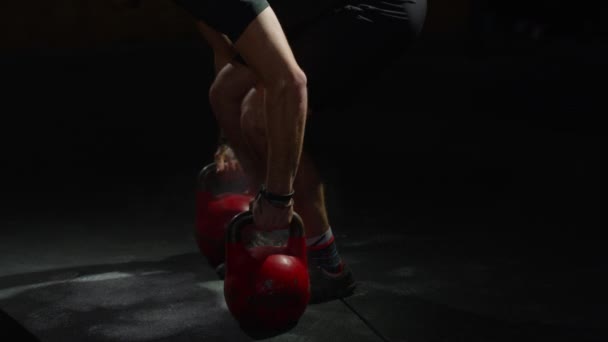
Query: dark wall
point(89, 23)
point(72, 23)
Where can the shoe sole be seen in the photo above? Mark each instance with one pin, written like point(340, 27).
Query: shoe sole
point(326, 287)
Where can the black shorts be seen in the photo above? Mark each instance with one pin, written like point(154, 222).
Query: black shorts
point(338, 48)
point(345, 46)
point(230, 17)
point(342, 49)
point(341, 53)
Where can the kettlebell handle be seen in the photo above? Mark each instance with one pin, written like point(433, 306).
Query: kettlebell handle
point(241, 220)
point(210, 181)
point(204, 176)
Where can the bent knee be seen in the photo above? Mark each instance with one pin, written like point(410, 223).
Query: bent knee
point(289, 80)
point(229, 88)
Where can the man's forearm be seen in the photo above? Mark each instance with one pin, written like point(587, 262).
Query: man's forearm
point(285, 113)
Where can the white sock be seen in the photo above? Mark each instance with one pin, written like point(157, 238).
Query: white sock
point(320, 240)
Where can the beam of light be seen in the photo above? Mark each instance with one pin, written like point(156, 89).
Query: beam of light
point(101, 277)
point(13, 291)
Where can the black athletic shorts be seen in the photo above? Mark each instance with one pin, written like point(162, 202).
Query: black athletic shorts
point(230, 17)
point(342, 49)
point(341, 53)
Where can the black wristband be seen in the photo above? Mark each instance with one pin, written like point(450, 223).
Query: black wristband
point(221, 138)
point(222, 141)
point(276, 199)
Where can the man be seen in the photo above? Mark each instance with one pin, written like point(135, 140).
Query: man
point(268, 81)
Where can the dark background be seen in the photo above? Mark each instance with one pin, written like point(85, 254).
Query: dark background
point(494, 116)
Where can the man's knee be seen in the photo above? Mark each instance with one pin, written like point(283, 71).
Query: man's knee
point(287, 81)
point(229, 88)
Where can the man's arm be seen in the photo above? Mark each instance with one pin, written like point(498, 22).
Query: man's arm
point(264, 47)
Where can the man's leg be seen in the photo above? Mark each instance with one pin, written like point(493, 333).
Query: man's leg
point(226, 96)
point(244, 123)
point(339, 53)
point(264, 48)
point(330, 277)
point(241, 118)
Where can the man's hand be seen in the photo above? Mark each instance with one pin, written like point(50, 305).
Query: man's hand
point(269, 217)
point(225, 160)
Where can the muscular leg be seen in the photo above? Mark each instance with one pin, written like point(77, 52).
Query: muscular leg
point(242, 122)
point(225, 96)
point(284, 104)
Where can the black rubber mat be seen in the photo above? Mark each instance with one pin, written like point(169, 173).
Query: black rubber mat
point(463, 287)
point(174, 299)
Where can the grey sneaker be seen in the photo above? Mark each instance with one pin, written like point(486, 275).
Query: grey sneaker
point(326, 286)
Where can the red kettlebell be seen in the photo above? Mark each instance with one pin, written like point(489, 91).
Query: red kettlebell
point(218, 199)
point(266, 287)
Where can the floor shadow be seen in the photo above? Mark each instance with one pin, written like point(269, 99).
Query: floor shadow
point(10, 327)
point(413, 319)
point(470, 287)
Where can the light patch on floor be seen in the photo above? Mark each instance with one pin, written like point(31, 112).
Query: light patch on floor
point(162, 322)
point(125, 306)
point(101, 277)
point(49, 318)
point(153, 273)
point(216, 286)
point(14, 291)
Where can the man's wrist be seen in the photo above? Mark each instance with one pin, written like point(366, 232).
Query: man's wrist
point(221, 139)
point(279, 183)
point(276, 199)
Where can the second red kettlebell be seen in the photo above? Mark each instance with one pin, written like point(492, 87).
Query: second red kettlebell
point(218, 200)
point(266, 287)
